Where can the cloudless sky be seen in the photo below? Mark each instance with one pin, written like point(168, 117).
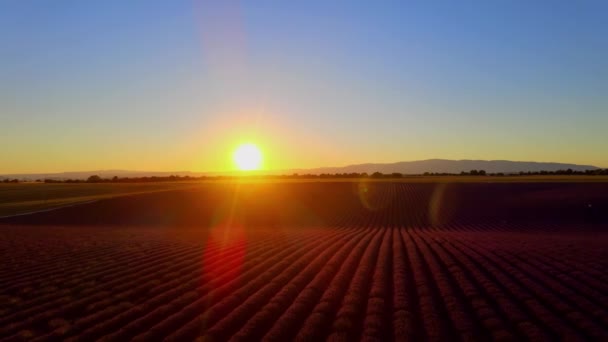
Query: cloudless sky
point(177, 85)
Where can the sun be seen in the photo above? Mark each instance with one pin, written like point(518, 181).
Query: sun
point(248, 157)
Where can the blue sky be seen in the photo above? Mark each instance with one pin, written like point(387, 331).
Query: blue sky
point(176, 85)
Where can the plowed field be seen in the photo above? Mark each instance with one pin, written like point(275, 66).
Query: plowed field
point(313, 261)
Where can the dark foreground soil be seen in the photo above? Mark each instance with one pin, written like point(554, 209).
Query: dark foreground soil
point(314, 261)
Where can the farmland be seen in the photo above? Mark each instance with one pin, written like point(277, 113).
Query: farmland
point(30, 197)
point(24, 198)
point(280, 261)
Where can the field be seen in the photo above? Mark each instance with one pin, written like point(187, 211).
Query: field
point(24, 198)
point(308, 261)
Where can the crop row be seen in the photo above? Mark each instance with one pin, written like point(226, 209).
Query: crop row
point(342, 283)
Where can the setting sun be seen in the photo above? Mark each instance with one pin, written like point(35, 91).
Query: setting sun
point(248, 157)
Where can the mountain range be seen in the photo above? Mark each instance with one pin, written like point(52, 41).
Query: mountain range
point(449, 166)
point(406, 167)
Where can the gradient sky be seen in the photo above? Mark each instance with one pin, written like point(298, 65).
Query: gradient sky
point(177, 85)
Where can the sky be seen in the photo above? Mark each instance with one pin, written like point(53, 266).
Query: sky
point(178, 85)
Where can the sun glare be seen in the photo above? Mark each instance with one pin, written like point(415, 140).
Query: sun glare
point(248, 157)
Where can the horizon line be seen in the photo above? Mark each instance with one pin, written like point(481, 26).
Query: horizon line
point(298, 168)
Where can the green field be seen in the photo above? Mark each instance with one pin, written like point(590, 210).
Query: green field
point(29, 197)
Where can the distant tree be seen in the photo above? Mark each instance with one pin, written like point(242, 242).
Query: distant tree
point(94, 179)
point(377, 174)
point(396, 175)
point(474, 173)
point(481, 172)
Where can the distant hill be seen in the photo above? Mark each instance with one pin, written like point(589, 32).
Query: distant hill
point(449, 166)
point(100, 173)
point(409, 167)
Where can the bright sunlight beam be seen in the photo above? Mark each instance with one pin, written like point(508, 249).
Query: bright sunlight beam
point(248, 157)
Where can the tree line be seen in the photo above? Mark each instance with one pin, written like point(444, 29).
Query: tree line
point(177, 178)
